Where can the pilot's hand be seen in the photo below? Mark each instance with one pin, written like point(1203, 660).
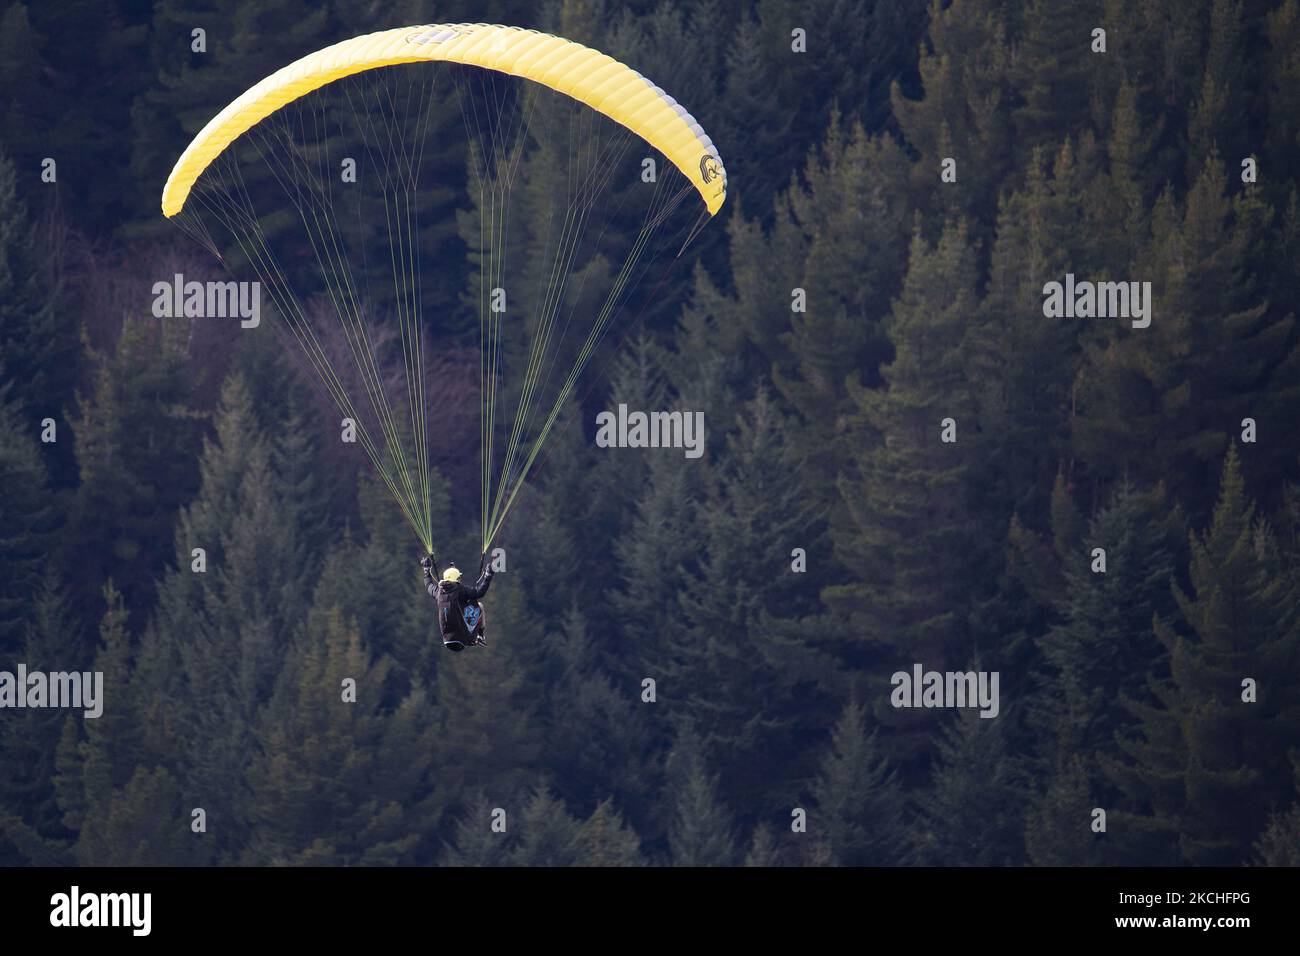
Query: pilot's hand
point(426, 562)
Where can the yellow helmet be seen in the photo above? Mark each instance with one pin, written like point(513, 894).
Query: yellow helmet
point(451, 574)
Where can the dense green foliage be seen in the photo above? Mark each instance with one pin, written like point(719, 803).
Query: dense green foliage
point(924, 301)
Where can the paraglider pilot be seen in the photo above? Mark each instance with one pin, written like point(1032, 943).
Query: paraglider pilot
point(460, 618)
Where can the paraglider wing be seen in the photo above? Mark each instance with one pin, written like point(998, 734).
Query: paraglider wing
point(548, 125)
point(587, 75)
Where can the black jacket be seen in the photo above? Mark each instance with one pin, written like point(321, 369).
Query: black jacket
point(452, 597)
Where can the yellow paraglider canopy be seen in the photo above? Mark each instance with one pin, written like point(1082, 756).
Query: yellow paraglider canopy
point(555, 138)
point(586, 75)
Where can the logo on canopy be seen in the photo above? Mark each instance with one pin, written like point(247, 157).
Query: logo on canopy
point(436, 35)
point(710, 168)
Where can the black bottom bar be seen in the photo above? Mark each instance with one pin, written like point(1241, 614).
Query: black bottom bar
point(214, 906)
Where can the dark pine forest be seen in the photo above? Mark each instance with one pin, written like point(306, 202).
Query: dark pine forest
point(1165, 691)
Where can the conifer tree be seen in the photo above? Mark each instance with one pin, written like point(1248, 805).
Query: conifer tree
point(1159, 403)
point(1058, 828)
point(71, 104)
point(29, 738)
point(966, 78)
point(377, 582)
point(1054, 68)
point(28, 523)
point(474, 840)
point(859, 818)
point(1103, 650)
point(1282, 68)
point(699, 826)
point(972, 814)
point(848, 228)
point(21, 113)
point(546, 834)
point(243, 45)
point(745, 659)
point(1219, 114)
point(635, 378)
point(1206, 766)
point(601, 735)
point(604, 839)
point(144, 823)
point(227, 627)
point(124, 810)
point(1160, 50)
point(1123, 193)
point(550, 528)
point(654, 543)
point(903, 530)
point(38, 345)
point(487, 715)
point(1021, 363)
point(763, 850)
point(335, 781)
point(1279, 845)
point(137, 437)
